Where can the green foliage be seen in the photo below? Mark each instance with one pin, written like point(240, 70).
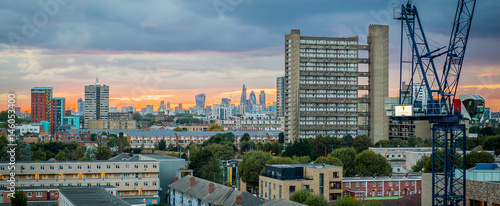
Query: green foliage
point(415, 141)
point(474, 142)
point(61, 156)
point(215, 127)
point(487, 131)
point(84, 159)
point(162, 145)
point(300, 147)
point(492, 143)
point(475, 157)
point(368, 163)
point(280, 160)
point(4, 117)
point(276, 148)
point(187, 120)
point(19, 198)
point(114, 141)
point(306, 197)
point(22, 151)
point(322, 145)
point(39, 155)
point(3, 142)
point(220, 138)
point(373, 203)
point(204, 164)
point(222, 152)
point(103, 153)
point(252, 164)
point(348, 201)
point(361, 143)
point(439, 161)
point(301, 160)
point(474, 129)
point(348, 139)
point(391, 143)
point(186, 115)
point(420, 164)
point(330, 160)
point(245, 137)
point(91, 153)
point(347, 156)
point(178, 129)
point(93, 136)
point(137, 117)
point(281, 137)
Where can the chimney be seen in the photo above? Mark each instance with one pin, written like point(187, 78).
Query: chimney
point(210, 187)
point(176, 178)
point(239, 200)
point(120, 142)
point(191, 181)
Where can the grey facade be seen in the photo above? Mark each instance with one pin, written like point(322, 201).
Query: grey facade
point(280, 96)
point(323, 85)
point(96, 102)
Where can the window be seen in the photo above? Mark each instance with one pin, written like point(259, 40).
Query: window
point(280, 191)
point(145, 166)
point(70, 167)
point(108, 166)
point(79, 167)
point(117, 184)
point(335, 175)
point(136, 184)
point(374, 184)
point(98, 184)
point(154, 183)
point(396, 192)
point(117, 166)
point(321, 183)
point(22, 167)
point(126, 166)
point(98, 166)
point(89, 184)
point(127, 184)
point(412, 183)
point(380, 184)
point(89, 167)
point(31, 168)
point(390, 184)
point(38, 194)
point(306, 187)
point(335, 185)
point(379, 193)
point(108, 184)
point(406, 183)
point(51, 167)
point(145, 183)
point(266, 184)
point(154, 166)
point(29, 194)
point(397, 183)
point(61, 167)
point(136, 166)
point(334, 196)
point(291, 190)
point(42, 167)
point(274, 186)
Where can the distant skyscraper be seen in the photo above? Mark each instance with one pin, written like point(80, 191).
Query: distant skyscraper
point(149, 109)
point(180, 107)
point(162, 106)
point(226, 101)
point(280, 96)
point(262, 98)
point(46, 108)
point(243, 100)
point(168, 105)
point(17, 110)
point(131, 109)
point(113, 109)
point(124, 109)
point(200, 101)
point(96, 102)
point(81, 106)
point(252, 99)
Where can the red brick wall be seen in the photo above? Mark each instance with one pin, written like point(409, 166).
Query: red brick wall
point(54, 195)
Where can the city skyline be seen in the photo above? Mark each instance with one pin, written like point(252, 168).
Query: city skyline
point(195, 48)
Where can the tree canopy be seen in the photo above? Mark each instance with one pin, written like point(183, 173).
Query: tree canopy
point(205, 165)
point(215, 127)
point(475, 157)
point(347, 156)
point(330, 160)
point(368, 163)
point(300, 147)
point(222, 152)
point(361, 143)
point(306, 197)
point(245, 137)
point(492, 143)
point(322, 145)
point(420, 165)
point(252, 164)
point(19, 198)
point(220, 138)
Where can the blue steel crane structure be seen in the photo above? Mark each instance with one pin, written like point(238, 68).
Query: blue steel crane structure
point(441, 108)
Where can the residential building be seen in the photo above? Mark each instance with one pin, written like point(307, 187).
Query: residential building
point(96, 102)
point(325, 80)
point(112, 124)
point(237, 124)
point(72, 120)
point(482, 186)
point(370, 188)
point(113, 109)
point(281, 181)
point(221, 111)
point(280, 96)
point(129, 115)
point(44, 107)
point(194, 191)
point(402, 158)
point(96, 196)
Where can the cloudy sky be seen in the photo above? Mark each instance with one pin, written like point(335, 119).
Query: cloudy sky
point(171, 50)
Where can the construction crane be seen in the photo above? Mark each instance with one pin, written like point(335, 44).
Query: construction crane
point(440, 108)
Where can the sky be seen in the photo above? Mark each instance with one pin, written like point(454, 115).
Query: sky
point(172, 50)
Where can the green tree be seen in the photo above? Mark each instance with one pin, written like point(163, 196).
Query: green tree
point(280, 160)
point(246, 146)
point(474, 129)
point(420, 165)
point(347, 156)
point(39, 155)
point(492, 143)
point(487, 131)
point(439, 162)
point(22, 151)
point(215, 127)
point(373, 203)
point(322, 145)
point(267, 146)
point(361, 143)
point(348, 201)
point(245, 137)
point(178, 129)
point(414, 141)
point(301, 160)
point(368, 163)
point(61, 156)
point(91, 152)
point(329, 160)
point(348, 139)
point(103, 153)
point(19, 198)
point(475, 157)
point(301, 195)
point(222, 152)
point(137, 116)
point(276, 148)
point(300, 147)
point(252, 164)
point(162, 145)
point(114, 141)
point(205, 165)
point(281, 137)
point(78, 153)
point(316, 200)
point(3, 142)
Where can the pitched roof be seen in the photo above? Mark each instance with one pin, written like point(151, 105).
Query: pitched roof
point(222, 195)
point(282, 202)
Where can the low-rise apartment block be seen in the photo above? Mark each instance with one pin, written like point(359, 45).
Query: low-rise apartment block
point(274, 125)
point(112, 124)
point(281, 181)
point(402, 158)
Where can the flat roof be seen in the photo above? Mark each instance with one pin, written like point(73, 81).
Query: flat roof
point(83, 196)
point(383, 178)
point(302, 165)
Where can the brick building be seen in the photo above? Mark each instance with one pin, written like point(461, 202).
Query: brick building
point(366, 188)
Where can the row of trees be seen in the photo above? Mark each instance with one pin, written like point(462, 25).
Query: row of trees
point(472, 159)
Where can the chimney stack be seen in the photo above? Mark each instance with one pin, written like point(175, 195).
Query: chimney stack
point(239, 200)
point(210, 187)
point(120, 142)
point(191, 181)
point(176, 178)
